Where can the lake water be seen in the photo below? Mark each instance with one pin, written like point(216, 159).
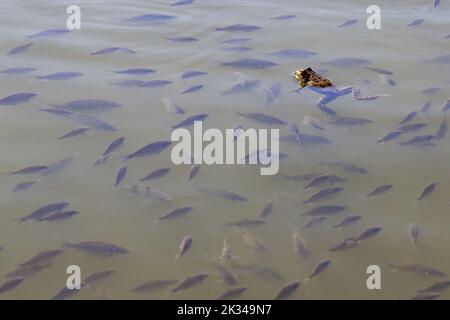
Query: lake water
point(29, 137)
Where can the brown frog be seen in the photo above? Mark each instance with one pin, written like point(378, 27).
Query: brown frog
point(308, 77)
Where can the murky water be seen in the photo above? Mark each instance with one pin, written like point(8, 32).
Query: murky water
point(114, 215)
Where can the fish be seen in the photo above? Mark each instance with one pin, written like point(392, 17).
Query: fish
point(182, 39)
point(181, 3)
point(320, 268)
point(426, 296)
point(247, 223)
point(301, 177)
point(348, 121)
point(436, 287)
point(293, 54)
point(239, 28)
point(236, 40)
point(114, 145)
point(431, 90)
point(236, 49)
point(153, 285)
point(443, 59)
point(97, 248)
point(348, 23)
point(120, 175)
point(368, 233)
point(260, 271)
point(149, 150)
point(193, 171)
point(413, 229)
point(193, 89)
point(249, 64)
point(436, 3)
point(144, 84)
point(83, 119)
point(418, 269)
point(19, 49)
point(156, 174)
point(57, 166)
point(324, 210)
point(266, 210)
point(35, 264)
point(347, 221)
point(446, 106)
point(190, 120)
point(416, 22)
point(65, 293)
point(300, 246)
point(111, 50)
point(136, 71)
point(232, 293)
point(23, 186)
point(380, 71)
point(348, 62)
point(29, 170)
point(58, 216)
point(190, 282)
point(130, 83)
point(176, 213)
point(347, 243)
point(63, 75)
point(227, 195)
point(150, 19)
point(185, 244)
point(442, 130)
point(74, 133)
point(10, 284)
point(254, 242)
point(17, 98)
point(425, 107)
point(18, 70)
point(261, 118)
point(323, 194)
point(390, 136)
point(287, 290)
point(412, 127)
point(427, 190)
point(227, 253)
point(192, 74)
point(227, 276)
point(410, 116)
point(45, 210)
point(380, 190)
point(273, 93)
point(49, 33)
point(325, 179)
point(418, 141)
point(313, 221)
point(346, 166)
point(284, 17)
point(98, 276)
point(243, 87)
point(149, 193)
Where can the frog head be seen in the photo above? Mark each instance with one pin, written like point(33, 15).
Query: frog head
point(302, 75)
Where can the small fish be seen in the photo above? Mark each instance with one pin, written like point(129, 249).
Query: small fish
point(347, 221)
point(442, 130)
point(426, 296)
point(153, 285)
point(193, 89)
point(232, 293)
point(236, 49)
point(150, 19)
point(348, 23)
point(18, 70)
point(321, 267)
point(45, 210)
point(58, 216)
point(427, 190)
point(380, 190)
point(227, 276)
point(120, 175)
point(136, 71)
point(301, 177)
point(323, 194)
point(23, 186)
point(239, 28)
point(114, 145)
point(176, 213)
point(193, 171)
point(348, 62)
point(10, 284)
point(411, 127)
point(57, 166)
point(347, 243)
point(287, 290)
point(326, 179)
point(348, 121)
point(190, 282)
point(380, 71)
point(436, 3)
point(418, 141)
point(243, 87)
point(284, 17)
point(273, 93)
point(249, 64)
point(236, 40)
point(227, 253)
point(417, 268)
point(181, 3)
point(443, 59)
point(97, 248)
point(111, 50)
point(324, 210)
point(190, 120)
point(437, 287)
point(413, 229)
point(446, 106)
point(410, 116)
point(74, 133)
point(89, 105)
point(368, 233)
point(293, 54)
point(313, 221)
point(156, 174)
point(251, 240)
point(266, 210)
point(430, 91)
point(416, 22)
point(49, 33)
point(192, 74)
point(17, 98)
point(149, 193)
point(185, 244)
point(260, 271)
point(92, 122)
point(390, 136)
point(41, 258)
point(247, 223)
point(29, 170)
point(261, 118)
point(19, 49)
point(346, 166)
point(227, 195)
point(98, 276)
point(149, 150)
point(300, 246)
point(182, 39)
point(63, 75)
